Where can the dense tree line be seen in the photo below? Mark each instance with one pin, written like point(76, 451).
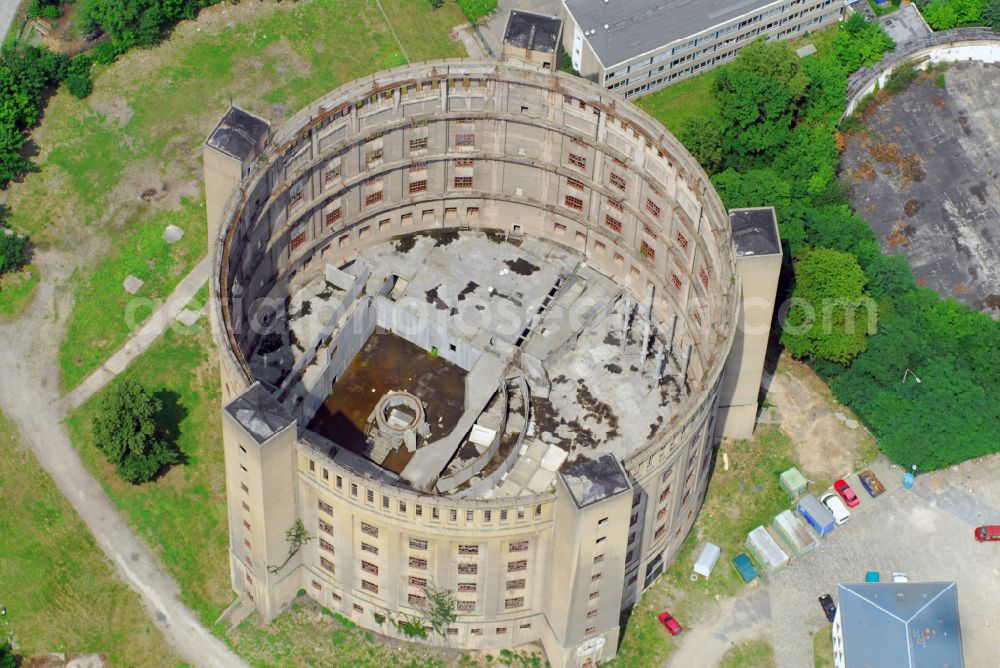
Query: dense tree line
point(775, 142)
point(946, 14)
point(132, 23)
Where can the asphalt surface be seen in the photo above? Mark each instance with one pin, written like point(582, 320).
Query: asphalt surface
point(8, 10)
point(925, 532)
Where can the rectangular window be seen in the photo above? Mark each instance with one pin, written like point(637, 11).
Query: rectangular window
point(467, 586)
point(463, 162)
point(616, 181)
point(574, 203)
point(358, 608)
point(518, 546)
point(418, 510)
point(465, 606)
point(417, 582)
point(416, 600)
point(417, 562)
point(418, 186)
point(453, 515)
point(325, 546)
point(503, 515)
point(373, 198)
point(369, 567)
point(326, 563)
point(369, 586)
point(595, 577)
point(297, 197)
point(682, 240)
point(647, 250)
point(402, 506)
point(511, 603)
point(519, 565)
point(515, 584)
point(340, 482)
point(247, 544)
point(463, 182)
point(703, 275)
point(468, 549)
point(370, 495)
point(538, 511)
point(316, 585)
point(325, 507)
point(574, 184)
point(613, 224)
point(354, 489)
point(244, 487)
point(652, 208)
point(615, 204)
point(594, 595)
point(678, 283)
point(369, 529)
point(312, 466)
point(326, 526)
point(418, 144)
point(245, 506)
point(590, 630)
point(331, 174)
point(476, 632)
point(373, 157)
point(487, 516)
point(385, 502)
point(500, 630)
point(365, 547)
point(659, 532)
point(418, 544)
point(468, 569)
point(598, 558)
point(578, 161)
point(591, 614)
point(246, 525)
point(465, 139)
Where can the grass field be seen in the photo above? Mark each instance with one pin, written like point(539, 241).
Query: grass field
point(737, 501)
point(756, 654)
point(823, 648)
point(115, 168)
point(675, 105)
point(16, 292)
point(79, 605)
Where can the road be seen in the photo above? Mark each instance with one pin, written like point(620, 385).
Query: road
point(30, 397)
point(8, 10)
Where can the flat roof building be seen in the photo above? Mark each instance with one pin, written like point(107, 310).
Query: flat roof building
point(532, 38)
point(638, 46)
point(902, 624)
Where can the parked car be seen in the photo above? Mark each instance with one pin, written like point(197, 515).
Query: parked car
point(836, 507)
point(900, 577)
point(828, 607)
point(846, 493)
point(988, 532)
point(670, 623)
point(871, 483)
point(871, 576)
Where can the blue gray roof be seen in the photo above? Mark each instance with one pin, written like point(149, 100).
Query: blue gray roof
point(259, 413)
point(904, 625)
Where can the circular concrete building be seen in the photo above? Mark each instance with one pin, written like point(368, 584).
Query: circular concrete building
point(474, 324)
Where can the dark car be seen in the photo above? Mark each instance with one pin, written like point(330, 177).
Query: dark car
point(828, 607)
point(670, 623)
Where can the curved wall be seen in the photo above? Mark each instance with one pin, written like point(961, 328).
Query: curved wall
point(481, 146)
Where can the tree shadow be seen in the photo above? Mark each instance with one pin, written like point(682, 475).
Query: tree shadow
point(168, 423)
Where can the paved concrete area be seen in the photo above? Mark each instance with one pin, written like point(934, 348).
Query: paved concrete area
point(904, 25)
point(928, 183)
point(151, 330)
point(925, 532)
point(8, 10)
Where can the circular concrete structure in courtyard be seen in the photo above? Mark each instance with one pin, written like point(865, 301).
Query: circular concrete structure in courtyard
point(547, 272)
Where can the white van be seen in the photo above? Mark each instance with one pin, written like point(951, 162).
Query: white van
point(836, 507)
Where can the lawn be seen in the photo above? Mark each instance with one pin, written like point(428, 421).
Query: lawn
point(756, 654)
point(79, 605)
point(737, 501)
point(823, 648)
point(17, 289)
point(675, 105)
point(115, 168)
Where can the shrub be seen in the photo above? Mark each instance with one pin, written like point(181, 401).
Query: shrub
point(477, 9)
point(900, 79)
point(13, 252)
point(104, 53)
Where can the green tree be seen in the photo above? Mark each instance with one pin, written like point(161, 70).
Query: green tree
point(13, 251)
point(830, 313)
point(860, 42)
point(757, 114)
point(125, 430)
point(7, 657)
point(701, 136)
point(991, 14)
point(439, 610)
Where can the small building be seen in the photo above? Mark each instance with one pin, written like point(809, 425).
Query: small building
point(816, 514)
point(766, 550)
point(793, 533)
point(533, 39)
point(793, 482)
point(705, 562)
point(899, 624)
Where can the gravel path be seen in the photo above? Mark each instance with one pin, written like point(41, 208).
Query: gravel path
point(30, 397)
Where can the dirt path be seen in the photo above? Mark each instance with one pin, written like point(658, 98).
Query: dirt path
point(29, 396)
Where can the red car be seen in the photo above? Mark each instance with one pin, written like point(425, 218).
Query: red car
point(986, 532)
point(846, 493)
point(670, 623)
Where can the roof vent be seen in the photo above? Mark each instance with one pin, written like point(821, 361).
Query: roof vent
point(900, 596)
point(605, 26)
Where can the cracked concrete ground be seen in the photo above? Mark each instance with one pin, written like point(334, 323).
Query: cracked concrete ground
point(945, 213)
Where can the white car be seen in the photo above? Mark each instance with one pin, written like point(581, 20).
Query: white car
point(834, 504)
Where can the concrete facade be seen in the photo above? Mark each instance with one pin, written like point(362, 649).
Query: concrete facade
point(634, 48)
point(505, 168)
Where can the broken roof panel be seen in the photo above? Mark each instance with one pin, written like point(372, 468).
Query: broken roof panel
point(259, 413)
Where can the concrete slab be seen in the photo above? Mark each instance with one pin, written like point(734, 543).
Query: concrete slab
point(905, 25)
point(132, 284)
point(188, 317)
point(173, 234)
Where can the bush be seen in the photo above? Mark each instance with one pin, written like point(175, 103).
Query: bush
point(79, 86)
point(126, 431)
point(900, 79)
point(104, 53)
point(13, 252)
